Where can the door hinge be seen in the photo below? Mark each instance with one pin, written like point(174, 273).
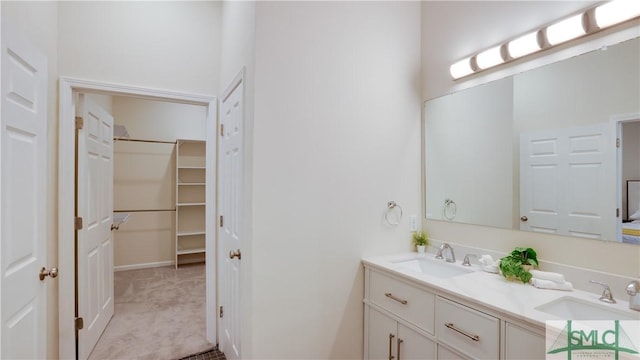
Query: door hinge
point(617, 212)
point(79, 323)
point(221, 221)
point(221, 129)
point(79, 123)
point(221, 311)
point(617, 142)
point(78, 223)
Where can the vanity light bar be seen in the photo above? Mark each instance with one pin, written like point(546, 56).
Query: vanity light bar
point(602, 16)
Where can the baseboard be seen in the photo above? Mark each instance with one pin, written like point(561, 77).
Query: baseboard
point(143, 266)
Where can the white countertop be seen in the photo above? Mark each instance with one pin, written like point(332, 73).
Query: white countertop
point(493, 291)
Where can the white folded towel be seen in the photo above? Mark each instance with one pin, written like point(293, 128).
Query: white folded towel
point(547, 275)
point(548, 284)
point(488, 264)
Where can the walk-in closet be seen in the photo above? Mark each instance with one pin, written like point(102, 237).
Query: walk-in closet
point(158, 231)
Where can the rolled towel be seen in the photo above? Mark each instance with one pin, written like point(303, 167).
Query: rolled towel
point(552, 285)
point(547, 275)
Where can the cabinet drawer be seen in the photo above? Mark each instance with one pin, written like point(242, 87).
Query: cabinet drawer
point(405, 301)
point(467, 330)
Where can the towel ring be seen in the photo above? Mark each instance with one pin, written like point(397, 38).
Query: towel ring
point(450, 209)
point(392, 208)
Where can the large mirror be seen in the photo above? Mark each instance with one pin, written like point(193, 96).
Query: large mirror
point(550, 150)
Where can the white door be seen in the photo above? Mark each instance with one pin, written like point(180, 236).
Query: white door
point(95, 207)
point(23, 195)
point(230, 211)
point(566, 187)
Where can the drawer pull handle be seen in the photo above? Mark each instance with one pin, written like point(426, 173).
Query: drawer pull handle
point(401, 301)
point(452, 327)
point(400, 341)
point(391, 336)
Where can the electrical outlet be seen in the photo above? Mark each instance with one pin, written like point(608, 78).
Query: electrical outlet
point(413, 222)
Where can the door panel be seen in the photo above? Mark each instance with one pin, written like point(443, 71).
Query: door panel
point(230, 208)
point(565, 187)
point(95, 206)
point(23, 195)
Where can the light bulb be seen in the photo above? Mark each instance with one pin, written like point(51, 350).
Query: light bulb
point(565, 30)
point(489, 58)
point(615, 12)
point(524, 45)
point(461, 68)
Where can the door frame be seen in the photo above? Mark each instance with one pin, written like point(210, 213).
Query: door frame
point(616, 123)
point(66, 196)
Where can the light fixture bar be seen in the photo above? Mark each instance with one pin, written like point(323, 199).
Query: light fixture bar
point(615, 12)
point(589, 21)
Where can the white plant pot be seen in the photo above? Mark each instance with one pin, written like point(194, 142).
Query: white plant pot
point(421, 248)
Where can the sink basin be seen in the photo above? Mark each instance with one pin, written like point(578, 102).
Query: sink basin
point(433, 267)
point(571, 308)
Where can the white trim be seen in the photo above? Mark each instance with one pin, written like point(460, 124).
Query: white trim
point(616, 123)
point(237, 80)
point(144, 265)
point(66, 195)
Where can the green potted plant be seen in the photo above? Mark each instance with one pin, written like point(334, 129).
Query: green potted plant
point(420, 240)
point(516, 265)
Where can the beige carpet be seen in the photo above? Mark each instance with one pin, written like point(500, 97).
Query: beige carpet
point(159, 314)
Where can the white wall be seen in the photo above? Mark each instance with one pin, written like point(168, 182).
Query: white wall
point(38, 22)
point(172, 45)
point(464, 32)
point(336, 136)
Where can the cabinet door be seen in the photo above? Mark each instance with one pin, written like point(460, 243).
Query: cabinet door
point(521, 343)
point(445, 353)
point(382, 336)
point(413, 346)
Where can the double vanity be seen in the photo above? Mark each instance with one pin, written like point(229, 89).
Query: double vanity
point(420, 307)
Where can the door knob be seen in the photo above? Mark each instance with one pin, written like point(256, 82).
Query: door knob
point(53, 273)
point(234, 254)
point(524, 218)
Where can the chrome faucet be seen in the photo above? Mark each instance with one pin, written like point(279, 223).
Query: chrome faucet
point(606, 296)
point(451, 257)
point(467, 260)
point(633, 289)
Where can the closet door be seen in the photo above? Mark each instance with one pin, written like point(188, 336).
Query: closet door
point(95, 207)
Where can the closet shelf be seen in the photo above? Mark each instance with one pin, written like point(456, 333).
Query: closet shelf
point(191, 204)
point(191, 251)
point(190, 200)
point(190, 233)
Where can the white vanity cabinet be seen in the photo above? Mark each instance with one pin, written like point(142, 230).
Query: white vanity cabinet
point(398, 320)
point(390, 339)
point(410, 320)
point(523, 342)
point(469, 331)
